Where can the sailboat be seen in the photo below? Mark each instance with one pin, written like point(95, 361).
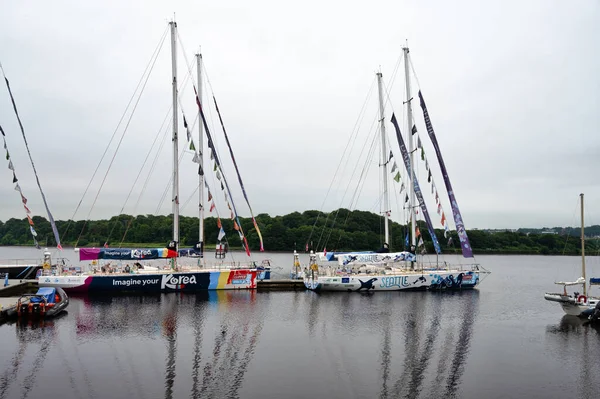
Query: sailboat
point(177, 277)
point(576, 304)
point(384, 270)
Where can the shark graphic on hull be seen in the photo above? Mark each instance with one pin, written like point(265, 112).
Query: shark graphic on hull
point(367, 285)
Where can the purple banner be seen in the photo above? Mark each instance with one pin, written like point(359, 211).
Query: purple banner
point(416, 186)
point(460, 227)
point(125, 253)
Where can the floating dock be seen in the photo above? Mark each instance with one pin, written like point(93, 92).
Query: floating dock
point(10, 294)
point(280, 285)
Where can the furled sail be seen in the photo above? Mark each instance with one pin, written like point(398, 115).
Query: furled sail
point(239, 176)
point(416, 186)
point(211, 147)
point(460, 227)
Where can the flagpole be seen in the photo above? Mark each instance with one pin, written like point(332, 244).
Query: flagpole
point(201, 161)
point(410, 151)
point(175, 143)
point(384, 161)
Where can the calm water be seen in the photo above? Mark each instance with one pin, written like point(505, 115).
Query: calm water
point(500, 341)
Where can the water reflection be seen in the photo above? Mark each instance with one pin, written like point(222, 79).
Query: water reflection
point(584, 350)
point(429, 332)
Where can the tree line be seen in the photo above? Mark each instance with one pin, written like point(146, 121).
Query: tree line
point(339, 230)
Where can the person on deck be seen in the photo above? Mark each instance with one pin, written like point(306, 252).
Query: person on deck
point(384, 249)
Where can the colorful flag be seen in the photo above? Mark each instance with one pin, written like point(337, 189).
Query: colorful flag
point(192, 146)
point(212, 207)
point(221, 234)
point(414, 129)
point(397, 177)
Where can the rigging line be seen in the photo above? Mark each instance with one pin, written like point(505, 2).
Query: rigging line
point(159, 45)
point(353, 171)
point(135, 182)
point(362, 178)
point(121, 140)
point(387, 99)
point(352, 139)
point(162, 142)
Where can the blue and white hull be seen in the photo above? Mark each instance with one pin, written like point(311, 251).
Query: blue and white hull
point(397, 281)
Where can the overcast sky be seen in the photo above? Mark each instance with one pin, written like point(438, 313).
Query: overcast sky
point(512, 88)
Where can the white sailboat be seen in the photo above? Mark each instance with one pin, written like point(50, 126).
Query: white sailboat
point(177, 277)
point(575, 304)
point(384, 270)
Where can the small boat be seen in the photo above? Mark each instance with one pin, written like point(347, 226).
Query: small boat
point(47, 302)
point(576, 304)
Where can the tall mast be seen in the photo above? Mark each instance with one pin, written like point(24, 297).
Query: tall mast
point(582, 247)
point(410, 150)
point(201, 156)
point(175, 140)
point(384, 160)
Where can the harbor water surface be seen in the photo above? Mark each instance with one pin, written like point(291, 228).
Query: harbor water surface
point(502, 340)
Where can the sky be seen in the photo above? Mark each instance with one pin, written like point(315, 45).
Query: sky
point(512, 88)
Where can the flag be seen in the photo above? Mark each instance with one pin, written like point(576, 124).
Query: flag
point(429, 177)
point(439, 210)
point(218, 222)
point(209, 196)
point(417, 232)
point(218, 175)
point(192, 146)
point(391, 155)
point(406, 240)
point(443, 219)
point(15, 178)
point(422, 154)
point(189, 135)
point(419, 145)
point(30, 220)
point(450, 241)
point(306, 248)
point(394, 167)
point(406, 200)
point(212, 207)
point(235, 226)
point(215, 167)
point(402, 187)
point(10, 166)
point(397, 177)
point(59, 247)
point(106, 243)
point(324, 251)
point(420, 242)
point(33, 233)
point(414, 129)
point(221, 234)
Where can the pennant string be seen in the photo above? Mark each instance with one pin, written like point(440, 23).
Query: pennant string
point(54, 229)
point(11, 166)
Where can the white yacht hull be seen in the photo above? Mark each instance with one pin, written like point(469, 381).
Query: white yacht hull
point(571, 305)
point(395, 281)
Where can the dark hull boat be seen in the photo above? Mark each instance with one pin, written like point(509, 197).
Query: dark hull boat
point(19, 271)
point(47, 302)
